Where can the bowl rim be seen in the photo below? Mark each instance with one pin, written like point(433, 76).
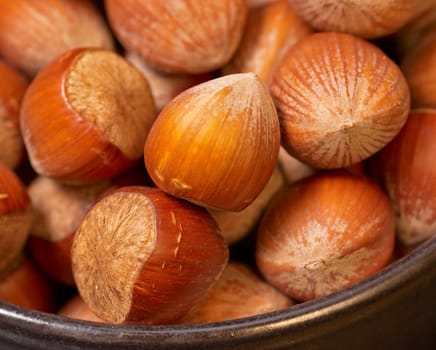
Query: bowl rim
point(25, 326)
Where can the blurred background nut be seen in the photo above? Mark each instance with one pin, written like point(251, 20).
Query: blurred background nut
point(179, 36)
point(239, 292)
point(164, 86)
point(270, 30)
point(24, 285)
point(12, 89)
point(32, 33)
point(406, 39)
point(419, 67)
point(15, 216)
point(255, 3)
point(58, 211)
point(76, 308)
point(408, 172)
point(292, 168)
point(365, 18)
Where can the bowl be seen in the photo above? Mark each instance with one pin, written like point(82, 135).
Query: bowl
point(393, 309)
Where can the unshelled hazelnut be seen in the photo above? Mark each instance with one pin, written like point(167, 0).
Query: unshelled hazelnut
point(12, 89)
point(408, 172)
point(24, 285)
point(270, 30)
point(239, 292)
point(164, 87)
point(324, 233)
point(141, 256)
point(15, 216)
point(190, 37)
point(340, 100)
point(32, 33)
point(85, 117)
point(365, 18)
point(419, 67)
point(76, 308)
point(58, 211)
point(215, 144)
point(408, 38)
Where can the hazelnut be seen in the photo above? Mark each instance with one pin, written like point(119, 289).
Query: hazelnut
point(190, 37)
point(32, 33)
point(270, 30)
point(24, 285)
point(141, 256)
point(407, 169)
point(12, 88)
point(238, 293)
point(340, 100)
point(58, 211)
point(164, 87)
point(76, 308)
point(15, 216)
point(324, 233)
point(409, 37)
point(215, 144)
point(420, 71)
point(365, 18)
point(85, 117)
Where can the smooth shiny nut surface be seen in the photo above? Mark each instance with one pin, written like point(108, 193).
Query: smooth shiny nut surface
point(216, 144)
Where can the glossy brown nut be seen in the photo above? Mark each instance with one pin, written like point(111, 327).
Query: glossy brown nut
point(340, 100)
point(77, 112)
point(141, 256)
point(216, 144)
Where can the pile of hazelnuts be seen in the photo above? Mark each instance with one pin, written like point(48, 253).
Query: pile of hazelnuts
point(192, 161)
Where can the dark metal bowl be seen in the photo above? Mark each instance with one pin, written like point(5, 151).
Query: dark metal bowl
point(394, 309)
